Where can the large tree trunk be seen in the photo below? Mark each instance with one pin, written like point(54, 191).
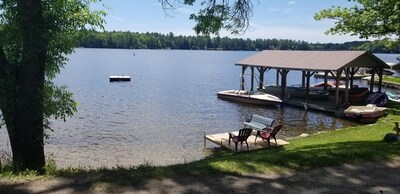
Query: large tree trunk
point(25, 122)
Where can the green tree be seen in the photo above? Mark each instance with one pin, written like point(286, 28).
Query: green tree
point(35, 35)
point(368, 18)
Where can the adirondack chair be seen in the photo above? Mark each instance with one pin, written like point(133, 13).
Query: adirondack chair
point(241, 137)
point(267, 133)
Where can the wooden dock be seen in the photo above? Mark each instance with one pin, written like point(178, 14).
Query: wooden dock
point(221, 139)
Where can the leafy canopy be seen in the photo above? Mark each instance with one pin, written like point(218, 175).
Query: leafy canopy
point(366, 19)
point(64, 19)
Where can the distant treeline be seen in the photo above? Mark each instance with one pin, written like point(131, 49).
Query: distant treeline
point(134, 40)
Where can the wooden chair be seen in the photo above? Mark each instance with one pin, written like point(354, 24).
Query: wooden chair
point(267, 133)
point(241, 137)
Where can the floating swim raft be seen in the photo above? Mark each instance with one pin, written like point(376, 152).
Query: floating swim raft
point(120, 78)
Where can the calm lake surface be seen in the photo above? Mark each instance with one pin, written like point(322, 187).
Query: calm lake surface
point(160, 116)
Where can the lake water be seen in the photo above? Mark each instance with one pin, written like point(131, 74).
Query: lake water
point(160, 116)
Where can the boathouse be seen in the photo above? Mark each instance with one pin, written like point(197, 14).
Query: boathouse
point(333, 63)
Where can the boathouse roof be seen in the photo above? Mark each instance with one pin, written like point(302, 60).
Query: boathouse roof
point(312, 60)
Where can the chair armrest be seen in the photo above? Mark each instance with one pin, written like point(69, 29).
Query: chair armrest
point(231, 135)
point(268, 129)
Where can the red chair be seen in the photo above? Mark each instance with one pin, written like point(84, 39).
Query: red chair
point(267, 133)
point(241, 137)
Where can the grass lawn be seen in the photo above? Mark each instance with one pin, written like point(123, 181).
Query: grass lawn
point(354, 144)
point(391, 79)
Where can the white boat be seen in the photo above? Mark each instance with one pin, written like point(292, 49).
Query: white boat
point(259, 98)
point(393, 96)
point(368, 112)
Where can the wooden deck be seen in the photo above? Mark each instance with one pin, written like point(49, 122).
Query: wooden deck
point(221, 139)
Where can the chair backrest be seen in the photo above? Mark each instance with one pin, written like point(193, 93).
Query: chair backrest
point(264, 120)
point(276, 129)
point(244, 134)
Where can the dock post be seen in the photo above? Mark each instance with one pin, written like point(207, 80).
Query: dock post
point(204, 140)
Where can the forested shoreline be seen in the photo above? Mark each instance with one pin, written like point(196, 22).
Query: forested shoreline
point(152, 40)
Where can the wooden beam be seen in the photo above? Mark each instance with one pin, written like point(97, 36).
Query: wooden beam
point(371, 85)
point(380, 75)
point(242, 84)
point(277, 77)
point(338, 73)
point(261, 81)
point(346, 92)
point(284, 73)
point(308, 75)
point(326, 80)
point(252, 78)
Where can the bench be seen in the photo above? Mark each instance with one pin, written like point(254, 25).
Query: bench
point(259, 122)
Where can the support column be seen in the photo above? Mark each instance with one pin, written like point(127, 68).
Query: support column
point(277, 77)
point(337, 76)
point(252, 78)
point(242, 84)
point(326, 80)
point(352, 73)
point(308, 75)
point(380, 75)
point(284, 73)
point(371, 85)
point(346, 93)
point(261, 81)
point(303, 81)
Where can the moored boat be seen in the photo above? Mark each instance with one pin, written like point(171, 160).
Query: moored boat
point(250, 97)
point(369, 113)
point(393, 96)
point(300, 92)
point(377, 98)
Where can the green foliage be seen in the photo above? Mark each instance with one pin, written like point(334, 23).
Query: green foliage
point(64, 19)
point(133, 40)
point(368, 18)
point(58, 104)
point(381, 46)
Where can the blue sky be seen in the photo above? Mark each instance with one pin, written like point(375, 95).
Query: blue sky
point(281, 19)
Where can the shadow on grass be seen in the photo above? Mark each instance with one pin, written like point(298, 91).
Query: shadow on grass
point(222, 172)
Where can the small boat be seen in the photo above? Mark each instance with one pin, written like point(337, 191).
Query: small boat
point(368, 113)
point(330, 85)
point(117, 78)
point(300, 92)
point(393, 96)
point(250, 97)
point(377, 98)
point(358, 94)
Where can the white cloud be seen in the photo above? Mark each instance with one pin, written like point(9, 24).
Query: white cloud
point(292, 2)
